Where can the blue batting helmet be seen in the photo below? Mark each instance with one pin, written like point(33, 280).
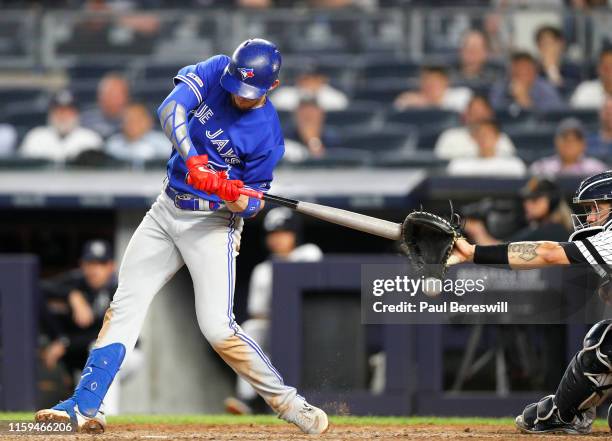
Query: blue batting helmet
point(253, 69)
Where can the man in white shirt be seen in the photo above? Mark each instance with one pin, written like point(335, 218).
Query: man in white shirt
point(458, 142)
point(282, 240)
point(487, 135)
point(434, 91)
point(592, 94)
point(63, 138)
point(310, 84)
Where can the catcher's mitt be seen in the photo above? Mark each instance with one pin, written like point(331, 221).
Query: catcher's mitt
point(428, 242)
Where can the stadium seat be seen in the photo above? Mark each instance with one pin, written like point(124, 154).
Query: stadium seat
point(510, 119)
point(151, 93)
point(428, 118)
point(20, 95)
point(383, 91)
point(427, 138)
point(163, 72)
point(417, 159)
point(533, 144)
point(92, 71)
point(363, 116)
point(589, 117)
point(27, 118)
point(390, 68)
point(17, 162)
point(377, 141)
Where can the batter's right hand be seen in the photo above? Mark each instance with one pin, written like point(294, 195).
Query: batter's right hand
point(200, 176)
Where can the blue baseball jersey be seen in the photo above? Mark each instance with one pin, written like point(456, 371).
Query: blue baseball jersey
point(247, 145)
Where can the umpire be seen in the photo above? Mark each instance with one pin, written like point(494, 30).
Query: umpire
point(74, 306)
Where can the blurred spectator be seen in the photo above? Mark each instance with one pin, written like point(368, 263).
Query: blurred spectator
point(524, 88)
point(600, 143)
point(570, 159)
point(137, 141)
point(592, 93)
point(560, 72)
point(473, 59)
point(434, 91)
point(113, 98)
point(8, 140)
point(547, 214)
point(309, 136)
point(487, 136)
point(458, 142)
point(283, 230)
point(310, 84)
point(63, 138)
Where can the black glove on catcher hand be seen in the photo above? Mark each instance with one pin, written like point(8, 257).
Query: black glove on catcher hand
point(428, 242)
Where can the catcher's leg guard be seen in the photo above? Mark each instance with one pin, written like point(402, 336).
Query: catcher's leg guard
point(585, 385)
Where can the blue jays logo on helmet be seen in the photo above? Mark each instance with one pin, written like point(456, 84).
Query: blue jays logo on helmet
point(246, 73)
point(253, 69)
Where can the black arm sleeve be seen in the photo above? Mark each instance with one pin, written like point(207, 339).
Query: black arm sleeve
point(573, 253)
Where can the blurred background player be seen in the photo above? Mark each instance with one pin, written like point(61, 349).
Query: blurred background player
point(283, 233)
point(546, 214)
point(73, 313)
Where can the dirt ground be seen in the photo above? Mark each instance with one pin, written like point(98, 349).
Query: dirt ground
point(278, 432)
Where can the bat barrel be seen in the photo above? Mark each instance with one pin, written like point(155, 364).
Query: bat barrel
point(356, 221)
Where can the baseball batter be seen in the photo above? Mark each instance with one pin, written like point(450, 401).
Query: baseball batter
point(588, 379)
point(226, 135)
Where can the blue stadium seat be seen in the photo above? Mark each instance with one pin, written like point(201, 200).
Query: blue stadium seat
point(533, 144)
point(163, 72)
point(151, 93)
point(376, 141)
point(20, 95)
point(27, 118)
point(428, 118)
point(390, 68)
point(355, 115)
point(383, 91)
point(92, 71)
point(510, 119)
point(589, 117)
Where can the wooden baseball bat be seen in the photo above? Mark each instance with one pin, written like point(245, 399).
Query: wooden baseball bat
point(356, 221)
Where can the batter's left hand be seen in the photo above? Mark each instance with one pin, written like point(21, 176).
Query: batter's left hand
point(229, 189)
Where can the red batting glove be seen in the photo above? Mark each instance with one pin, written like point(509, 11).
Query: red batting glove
point(229, 189)
point(200, 176)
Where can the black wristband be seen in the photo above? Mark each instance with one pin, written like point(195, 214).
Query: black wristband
point(491, 254)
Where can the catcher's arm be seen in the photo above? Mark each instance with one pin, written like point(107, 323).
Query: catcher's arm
point(519, 255)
